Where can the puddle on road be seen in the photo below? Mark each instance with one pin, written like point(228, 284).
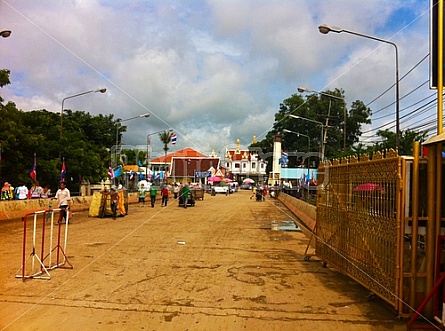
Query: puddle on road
point(284, 225)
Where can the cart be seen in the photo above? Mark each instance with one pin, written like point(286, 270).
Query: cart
point(198, 194)
point(190, 202)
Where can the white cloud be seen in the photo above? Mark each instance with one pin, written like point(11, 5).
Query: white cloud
point(214, 71)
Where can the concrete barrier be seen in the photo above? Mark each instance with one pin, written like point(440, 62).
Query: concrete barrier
point(13, 209)
point(306, 212)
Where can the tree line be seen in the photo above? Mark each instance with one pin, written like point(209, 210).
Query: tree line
point(31, 136)
point(325, 121)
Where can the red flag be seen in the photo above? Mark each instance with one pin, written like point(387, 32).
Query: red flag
point(63, 171)
point(110, 172)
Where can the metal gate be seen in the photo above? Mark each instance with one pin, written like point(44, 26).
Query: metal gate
point(360, 226)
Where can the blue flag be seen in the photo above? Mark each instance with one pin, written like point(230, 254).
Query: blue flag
point(117, 172)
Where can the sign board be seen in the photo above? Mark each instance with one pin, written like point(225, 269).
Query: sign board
point(203, 174)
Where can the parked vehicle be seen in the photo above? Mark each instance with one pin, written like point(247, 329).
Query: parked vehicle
point(220, 189)
point(246, 187)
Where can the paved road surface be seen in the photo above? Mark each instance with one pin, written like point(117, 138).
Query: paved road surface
point(215, 266)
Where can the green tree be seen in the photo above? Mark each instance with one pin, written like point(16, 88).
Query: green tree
point(84, 145)
point(319, 113)
point(4, 78)
point(388, 140)
point(165, 137)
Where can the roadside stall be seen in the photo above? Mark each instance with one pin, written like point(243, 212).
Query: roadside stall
point(101, 204)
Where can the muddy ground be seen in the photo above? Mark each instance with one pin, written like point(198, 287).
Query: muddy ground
point(215, 266)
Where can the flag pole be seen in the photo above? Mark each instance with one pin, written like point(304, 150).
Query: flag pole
point(35, 167)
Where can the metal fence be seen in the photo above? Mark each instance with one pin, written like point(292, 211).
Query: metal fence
point(358, 221)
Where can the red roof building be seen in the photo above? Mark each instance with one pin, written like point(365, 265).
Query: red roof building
point(186, 152)
point(185, 165)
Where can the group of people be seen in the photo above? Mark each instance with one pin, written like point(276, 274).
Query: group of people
point(259, 193)
point(8, 192)
point(178, 190)
point(63, 196)
point(152, 190)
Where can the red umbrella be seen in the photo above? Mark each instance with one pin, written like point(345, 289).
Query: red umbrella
point(367, 187)
point(214, 179)
point(227, 180)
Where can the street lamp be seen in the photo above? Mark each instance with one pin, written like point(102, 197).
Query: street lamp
point(117, 130)
point(5, 33)
point(303, 90)
point(301, 134)
point(148, 144)
point(102, 90)
point(325, 29)
point(322, 130)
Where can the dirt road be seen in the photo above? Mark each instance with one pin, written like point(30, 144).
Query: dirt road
point(215, 266)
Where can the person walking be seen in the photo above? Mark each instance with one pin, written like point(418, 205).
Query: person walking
point(265, 189)
point(63, 198)
point(176, 191)
point(164, 194)
point(114, 199)
point(153, 195)
point(253, 192)
point(185, 194)
point(142, 191)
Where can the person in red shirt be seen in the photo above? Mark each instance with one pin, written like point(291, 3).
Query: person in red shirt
point(264, 193)
point(164, 195)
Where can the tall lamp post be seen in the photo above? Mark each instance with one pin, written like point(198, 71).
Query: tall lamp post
point(117, 131)
point(5, 33)
point(101, 90)
point(322, 130)
point(303, 90)
point(325, 29)
point(148, 144)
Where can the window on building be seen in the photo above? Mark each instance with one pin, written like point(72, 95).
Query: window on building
point(244, 165)
point(227, 165)
point(237, 165)
point(253, 165)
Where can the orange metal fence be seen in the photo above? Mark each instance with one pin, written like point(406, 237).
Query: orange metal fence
point(366, 229)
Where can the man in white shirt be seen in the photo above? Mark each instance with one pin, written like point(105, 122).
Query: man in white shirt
point(22, 192)
point(63, 198)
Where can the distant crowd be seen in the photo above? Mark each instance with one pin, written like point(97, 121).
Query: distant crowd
point(8, 192)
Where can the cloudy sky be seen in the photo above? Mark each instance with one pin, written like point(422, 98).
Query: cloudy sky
point(215, 71)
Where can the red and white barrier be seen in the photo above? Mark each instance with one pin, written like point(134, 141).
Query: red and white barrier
point(52, 235)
